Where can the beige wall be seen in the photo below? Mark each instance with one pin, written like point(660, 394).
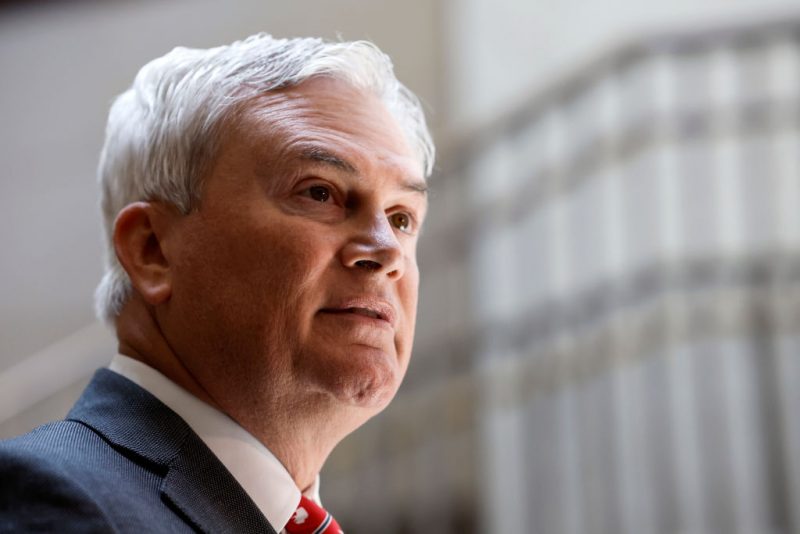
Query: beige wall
point(497, 52)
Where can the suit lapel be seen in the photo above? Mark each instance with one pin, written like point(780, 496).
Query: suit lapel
point(195, 481)
point(207, 493)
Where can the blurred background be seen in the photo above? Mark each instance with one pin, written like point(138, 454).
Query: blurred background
point(609, 330)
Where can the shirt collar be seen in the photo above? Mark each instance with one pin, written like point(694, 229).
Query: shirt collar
point(254, 467)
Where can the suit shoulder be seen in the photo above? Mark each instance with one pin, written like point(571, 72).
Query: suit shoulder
point(41, 436)
point(59, 446)
point(69, 470)
point(40, 490)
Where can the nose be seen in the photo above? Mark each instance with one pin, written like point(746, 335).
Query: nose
point(374, 248)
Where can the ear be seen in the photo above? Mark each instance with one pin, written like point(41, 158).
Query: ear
point(138, 240)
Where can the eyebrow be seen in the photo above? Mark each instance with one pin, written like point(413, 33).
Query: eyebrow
point(416, 187)
point(321, 155)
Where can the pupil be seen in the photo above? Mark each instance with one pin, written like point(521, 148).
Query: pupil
point(319, 193)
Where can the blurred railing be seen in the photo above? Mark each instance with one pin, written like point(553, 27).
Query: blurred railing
point(609, 331)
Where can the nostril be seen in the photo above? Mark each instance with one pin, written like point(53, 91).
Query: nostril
point(368, 264)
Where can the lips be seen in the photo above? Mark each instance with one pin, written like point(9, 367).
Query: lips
point(369, 307)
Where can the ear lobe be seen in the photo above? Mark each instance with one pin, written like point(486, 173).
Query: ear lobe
point(138, 237)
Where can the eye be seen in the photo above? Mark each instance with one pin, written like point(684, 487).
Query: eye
point(401, 221)
point(320, 193)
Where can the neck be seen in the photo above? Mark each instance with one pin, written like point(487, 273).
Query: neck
point(302, 435)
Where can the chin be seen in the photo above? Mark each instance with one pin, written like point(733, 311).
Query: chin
point(369, 384)
point(366, 394)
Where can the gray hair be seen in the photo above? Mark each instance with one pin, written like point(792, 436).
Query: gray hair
point(163, 132)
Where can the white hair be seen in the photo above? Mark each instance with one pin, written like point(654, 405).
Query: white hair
point(163, 132)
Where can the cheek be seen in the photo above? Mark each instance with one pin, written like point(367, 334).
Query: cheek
point(275, 270)
point(410, 289)
point(408, 295)
point(254, 270)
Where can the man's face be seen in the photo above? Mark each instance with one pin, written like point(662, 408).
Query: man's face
point(297, 275)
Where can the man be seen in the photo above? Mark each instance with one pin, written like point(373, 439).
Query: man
point(263, 202)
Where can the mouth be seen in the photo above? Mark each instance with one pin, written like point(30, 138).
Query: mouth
point(366, 312)
point(375, 310)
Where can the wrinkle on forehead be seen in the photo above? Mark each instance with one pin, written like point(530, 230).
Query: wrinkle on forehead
point(328, 113)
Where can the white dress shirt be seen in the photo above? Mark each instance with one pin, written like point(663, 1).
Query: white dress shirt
point(254, 467)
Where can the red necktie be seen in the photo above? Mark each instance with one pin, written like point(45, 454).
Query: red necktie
point(311, 518)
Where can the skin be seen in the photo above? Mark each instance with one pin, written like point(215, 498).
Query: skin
point(255, 301)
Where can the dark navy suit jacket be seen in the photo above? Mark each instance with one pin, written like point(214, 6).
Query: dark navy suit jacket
point(121, 461)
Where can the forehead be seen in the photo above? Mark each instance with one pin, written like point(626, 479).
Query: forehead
point(328, 116)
